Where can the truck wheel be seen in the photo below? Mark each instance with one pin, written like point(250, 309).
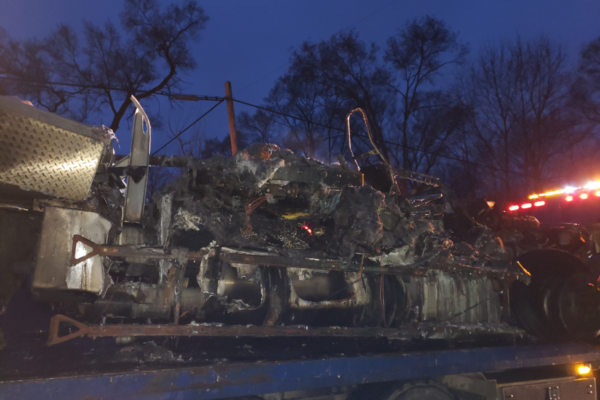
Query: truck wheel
point(402, 391)
point(561, 302)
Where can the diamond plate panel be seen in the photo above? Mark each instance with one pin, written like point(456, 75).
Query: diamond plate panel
point(42, 157)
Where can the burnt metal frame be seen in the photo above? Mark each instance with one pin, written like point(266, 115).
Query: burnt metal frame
point(130, 330)
point(274, 260)
point(80, 329)
point(244, 379)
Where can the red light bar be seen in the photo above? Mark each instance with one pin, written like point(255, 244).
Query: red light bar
point(513, 208)
point(539, 203)
point(307, 229)
point(526, 205)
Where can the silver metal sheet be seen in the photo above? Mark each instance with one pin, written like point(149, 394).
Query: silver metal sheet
point(135, 194)
point(441, 296)
point(53, 269)
point(46, 153)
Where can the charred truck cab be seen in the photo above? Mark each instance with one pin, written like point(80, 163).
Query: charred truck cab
point(270, 244)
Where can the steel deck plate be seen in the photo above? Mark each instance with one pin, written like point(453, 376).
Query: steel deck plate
point(230, 380)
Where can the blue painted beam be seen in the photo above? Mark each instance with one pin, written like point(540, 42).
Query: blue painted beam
point(230, 380)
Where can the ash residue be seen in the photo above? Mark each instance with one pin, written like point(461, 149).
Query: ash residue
point(271, 199)
point(147, 352)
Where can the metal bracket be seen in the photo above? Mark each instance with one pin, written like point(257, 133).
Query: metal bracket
point(128, 251)
point(135, 195)
point(96, 249)
point(53, 337)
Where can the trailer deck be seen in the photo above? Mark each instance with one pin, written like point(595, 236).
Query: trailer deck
point(232, 379)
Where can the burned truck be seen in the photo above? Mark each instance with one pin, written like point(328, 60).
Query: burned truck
point(264, 243)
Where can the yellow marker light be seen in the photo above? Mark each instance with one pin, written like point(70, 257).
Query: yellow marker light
point(561, 191)
point(569, 198)
point(584, 369)
point(583, 196)
point(598, 193)
point(581, 369)
point(553, 193)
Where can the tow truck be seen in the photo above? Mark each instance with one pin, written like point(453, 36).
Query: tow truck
point(577, 204)
point(50, 167)
point(570, 220)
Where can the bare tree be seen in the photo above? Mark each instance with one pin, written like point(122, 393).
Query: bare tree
point(67, 75)
point(489, 91)
point(519, 119)
point(586, 89)
point(432, 131)
point(419, 53)
point(293, 95)
point(190, 144)
point(544, 122)
point(347, 67)
point(259, 127)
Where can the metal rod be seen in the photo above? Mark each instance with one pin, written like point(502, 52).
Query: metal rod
point(121, 330)
point(275, 260)
point(231, 116)
point(186, 128)
point(218, 330)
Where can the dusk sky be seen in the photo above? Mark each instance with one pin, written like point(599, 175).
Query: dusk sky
point(249, 42)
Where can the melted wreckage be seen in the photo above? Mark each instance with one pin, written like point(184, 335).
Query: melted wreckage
point(265, 243)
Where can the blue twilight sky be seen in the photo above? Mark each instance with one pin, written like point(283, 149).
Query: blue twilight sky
point(248, 41)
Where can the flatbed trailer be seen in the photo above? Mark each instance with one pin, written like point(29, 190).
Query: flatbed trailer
point(456, 369)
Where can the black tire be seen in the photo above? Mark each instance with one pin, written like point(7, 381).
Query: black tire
point(561, 302)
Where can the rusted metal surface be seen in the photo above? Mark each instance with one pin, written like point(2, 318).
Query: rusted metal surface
point(274, 260)
point(338, 265)
point(129, 251)
point(231, 118)
point(208, 330)
point(280, 261)
point(423, 331)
